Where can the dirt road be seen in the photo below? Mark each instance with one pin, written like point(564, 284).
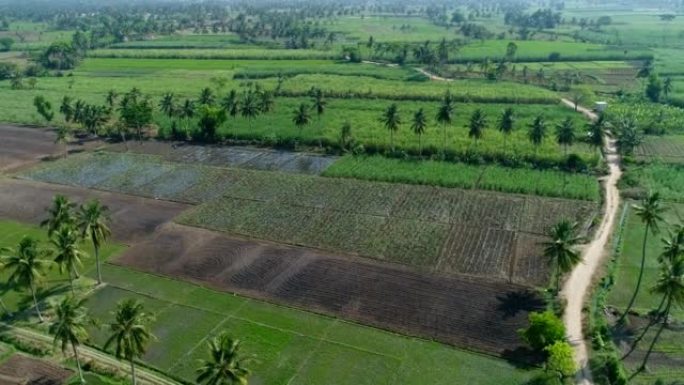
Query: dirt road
point(578, 284)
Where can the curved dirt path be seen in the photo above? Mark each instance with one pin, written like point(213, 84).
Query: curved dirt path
point(579, 283)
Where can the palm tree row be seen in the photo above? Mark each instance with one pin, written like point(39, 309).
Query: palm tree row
point(565, 133)
point(66, 229)
point(670, 282)
point(129, 332)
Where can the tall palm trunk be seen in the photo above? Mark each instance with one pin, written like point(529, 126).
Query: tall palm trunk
point(392, 140)
point(655, 339)
point(78, 364)
point(135, 380)
point(35, 302)
point(646, 329)
point(641, 275)
point(420, 145)
point(97, 264)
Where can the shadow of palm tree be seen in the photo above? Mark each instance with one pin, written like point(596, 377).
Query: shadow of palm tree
point(515, 302)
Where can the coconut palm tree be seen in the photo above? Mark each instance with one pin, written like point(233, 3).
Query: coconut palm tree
point(597, 132)
point(206, 96)
point(225, 365)
point(265, 101)
point(62, 137)
point(560, 249)
point(111, 98)
point(130, 332)
point(249, 107)
point(66, 109)
point(230, 103)
point(651, 212)
point(69, 327)
point(667, 86)
point(26, 267)
point(537, 132)
point(167, 104)
point(391, 120)
point(301, 117)
point(59, 214)
point(91, 220)
point(506, 124)
point(318, 103)
point(565, 134)
point(67, 253)
point(477, 125)
point(444, 116)
point(418, 126)
point(670, 285)
point(673, 249)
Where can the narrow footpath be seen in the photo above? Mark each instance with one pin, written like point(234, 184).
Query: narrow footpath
point(578, 284)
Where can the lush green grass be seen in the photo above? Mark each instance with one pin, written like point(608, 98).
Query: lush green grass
point(239, 68)
point(230, 53)
point(668, 179)
point(95, 80)
point(670, 342)
point(388, 29)
point(630, 260)
point(184, 41)
point(55, 282)
point(428, 172)
point(648, 115)
point(666, 148)
point(290, 346)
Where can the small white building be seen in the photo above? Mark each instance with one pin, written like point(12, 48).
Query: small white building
point(600, 106)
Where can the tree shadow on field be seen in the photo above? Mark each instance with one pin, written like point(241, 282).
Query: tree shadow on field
point(515, 302)
point(523, 357)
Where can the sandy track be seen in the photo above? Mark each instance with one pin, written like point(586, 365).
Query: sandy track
point(577, 286)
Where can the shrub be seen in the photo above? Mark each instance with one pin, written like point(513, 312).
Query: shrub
point(545, 329)
point(560, 359)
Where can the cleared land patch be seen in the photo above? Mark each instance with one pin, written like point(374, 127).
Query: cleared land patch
point(387, 296)
point(132, 218)
point(413, 225)
point(20, 146)
point(31, 371)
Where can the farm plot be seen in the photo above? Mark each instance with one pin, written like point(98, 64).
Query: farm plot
point(22, 145)
point(384, 295)
point(291, 346)
point(132, 217)
point(32, 371)
point(668, 149)
point(392, 222)
point(244, 157)
point(448, 174)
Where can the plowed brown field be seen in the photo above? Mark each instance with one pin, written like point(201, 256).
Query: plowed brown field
point(132, 218)
point(478, 314)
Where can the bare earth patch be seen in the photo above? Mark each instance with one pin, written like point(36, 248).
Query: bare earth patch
point(132, 218)
point(31, 371)
point(477, 314)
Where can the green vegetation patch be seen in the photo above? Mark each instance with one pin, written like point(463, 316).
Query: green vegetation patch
point(290, 346)
point(445, 174)
point(668, 179)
